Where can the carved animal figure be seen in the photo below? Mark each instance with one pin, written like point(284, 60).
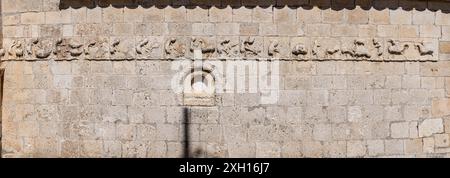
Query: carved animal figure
point(348, 51)
point(396, 47)
point(274, 49)
point(333, 50)
point(96, 49)
point(144, 47)
point(174, 49)
point(16, 49)
point(249, 48)
point(38, 49)
point(75, 48)
point(299, 49)
point(361, 50)
point(225, 48)
point(424, 49)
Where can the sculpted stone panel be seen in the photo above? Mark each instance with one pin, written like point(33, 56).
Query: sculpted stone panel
point(229, 47)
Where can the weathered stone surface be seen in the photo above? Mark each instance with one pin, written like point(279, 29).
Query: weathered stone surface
point(356, 78)
point(441, 107)
point(430, 126)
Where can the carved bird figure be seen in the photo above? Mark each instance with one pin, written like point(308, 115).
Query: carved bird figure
point(396, 47)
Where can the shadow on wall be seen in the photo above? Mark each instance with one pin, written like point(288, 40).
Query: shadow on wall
point(433, 5)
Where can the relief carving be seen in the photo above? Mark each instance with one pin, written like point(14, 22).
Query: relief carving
point(332, 51)
point(39, 48)
point(228, 49)
point(16, 49)
point(378, 46)
point(361, 50)
point(76, 48)
point(120, 50)
point(424, 49)
point(348, 51)
point(146, 47)
point(316, 49)
point(203, 45)
point(274, 50)
point(249, 47)
point(61, 49)
point(397, 48)
point(174, 48)
point(302, 48)
point(299, 49)
point(97, 49)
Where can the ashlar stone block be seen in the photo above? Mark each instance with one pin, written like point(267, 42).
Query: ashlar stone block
point(430, 126)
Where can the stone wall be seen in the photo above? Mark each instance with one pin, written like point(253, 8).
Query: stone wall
point(72, 93)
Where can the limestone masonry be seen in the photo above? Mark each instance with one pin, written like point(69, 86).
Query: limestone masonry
point(354, 78)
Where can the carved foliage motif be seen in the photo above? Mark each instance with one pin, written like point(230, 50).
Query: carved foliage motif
point(296, 48)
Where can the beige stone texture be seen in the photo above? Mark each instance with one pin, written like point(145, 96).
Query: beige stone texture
point(430, 126)
point(84, 81)
point(441, 107)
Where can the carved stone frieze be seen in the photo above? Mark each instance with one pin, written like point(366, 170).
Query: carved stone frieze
point(205, 45)
point(175, 48)
point(121, 48)
point(229, 47)
point(148, 48)
point(16, 50)
point(39, 48)
point(251, 47)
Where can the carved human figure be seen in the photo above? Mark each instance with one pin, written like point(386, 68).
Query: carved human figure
point(316, 49)
point(37, 48)
point(377, 44)
point(396, 47)
point(174, 49)
point(424, 49)
point(361, 50)
point(201, 44)
point(249, 48)
point(274, 49)
point(114, 49)
point(16, 49)
point(299, 49)
point(227, 49)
